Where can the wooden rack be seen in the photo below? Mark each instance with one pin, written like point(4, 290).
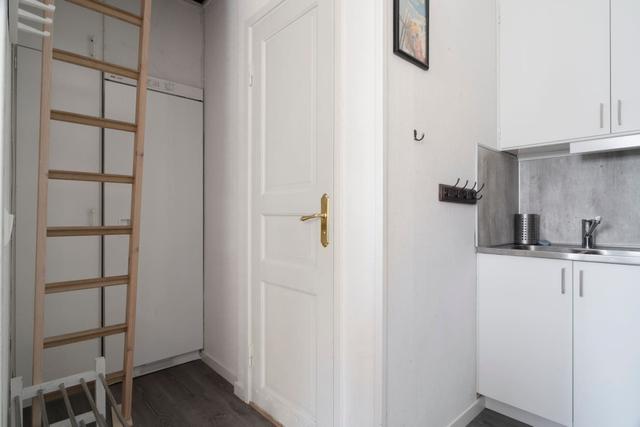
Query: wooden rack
point(97, 401)
point(49, 54)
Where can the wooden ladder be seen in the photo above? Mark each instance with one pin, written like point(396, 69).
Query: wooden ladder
point(40, 342)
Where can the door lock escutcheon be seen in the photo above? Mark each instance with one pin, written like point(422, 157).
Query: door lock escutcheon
point(323, 215)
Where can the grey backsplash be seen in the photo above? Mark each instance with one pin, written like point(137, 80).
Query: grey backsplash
point(564, 190)
point(499, 172)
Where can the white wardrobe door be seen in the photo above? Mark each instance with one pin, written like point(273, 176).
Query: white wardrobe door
point(75, 148)
point(170, 287)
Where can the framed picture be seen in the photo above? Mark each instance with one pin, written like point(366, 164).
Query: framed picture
point(411, 31)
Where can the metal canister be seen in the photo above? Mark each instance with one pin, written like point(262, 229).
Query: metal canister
point(526, 229)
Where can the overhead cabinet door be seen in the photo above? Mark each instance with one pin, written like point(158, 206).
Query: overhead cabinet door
point(554, 70)
point(625, 65)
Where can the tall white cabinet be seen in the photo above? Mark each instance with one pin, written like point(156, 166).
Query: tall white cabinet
point(170, 291)
point(170, 288)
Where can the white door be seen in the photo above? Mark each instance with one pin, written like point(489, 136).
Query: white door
point(607, 345)
point(524, 334)
point(625, 65)
point(554, 70)
point(292, 167)
point(170, 284)
point(73, 148)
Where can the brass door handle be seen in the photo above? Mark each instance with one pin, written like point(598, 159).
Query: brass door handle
point(323, 215)
point(314, 216)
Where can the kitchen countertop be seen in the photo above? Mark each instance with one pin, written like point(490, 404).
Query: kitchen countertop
point(610, 255)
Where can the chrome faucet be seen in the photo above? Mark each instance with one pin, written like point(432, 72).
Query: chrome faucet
point(588, 232)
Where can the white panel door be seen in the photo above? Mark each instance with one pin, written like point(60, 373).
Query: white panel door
point(553, 70)
point(607, 345)
point(625, 65)
point(524, 334)
point(76, 148)
point(169, 317)
point(292, 158)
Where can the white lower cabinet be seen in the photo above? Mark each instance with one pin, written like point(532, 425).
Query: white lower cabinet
point(606, 345)
point(560, 339)
point(524, 334)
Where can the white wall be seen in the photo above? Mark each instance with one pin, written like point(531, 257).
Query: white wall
point(222, 220)
point(431, 305)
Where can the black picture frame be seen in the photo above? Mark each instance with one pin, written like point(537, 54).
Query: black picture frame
point(398, 28)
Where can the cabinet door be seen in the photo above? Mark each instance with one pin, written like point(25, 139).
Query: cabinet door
point(553, 70)
point(607, 345)
point(524, 334)
point(170, 284)
point(625, 65)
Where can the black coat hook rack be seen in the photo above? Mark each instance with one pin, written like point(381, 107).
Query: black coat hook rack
point(455, 194)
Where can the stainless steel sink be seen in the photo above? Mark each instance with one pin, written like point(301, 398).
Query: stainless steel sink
point(569, 252)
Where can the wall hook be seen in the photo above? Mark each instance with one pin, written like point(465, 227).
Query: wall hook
point(415, 136)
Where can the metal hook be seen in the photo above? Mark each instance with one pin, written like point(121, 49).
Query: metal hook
point(474, 186)
point(456, 184)
point(480, 189)
point(465, 185)
point(415, 136)
point(480, 198)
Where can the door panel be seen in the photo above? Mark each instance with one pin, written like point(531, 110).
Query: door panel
point(170, 284)
point(524, 334)
point(553, 70)
point(625, 65)
point(607, 345)
point(292, 273)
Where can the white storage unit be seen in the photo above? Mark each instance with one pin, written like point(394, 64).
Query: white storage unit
point(524, 334)
point(607, 345)
point(567, 71)
point(170, 287)
point(572, 357)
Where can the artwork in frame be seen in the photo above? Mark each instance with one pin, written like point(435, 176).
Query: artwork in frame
point(411, 31)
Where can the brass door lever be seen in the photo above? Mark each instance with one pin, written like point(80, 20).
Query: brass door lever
point(323, 215)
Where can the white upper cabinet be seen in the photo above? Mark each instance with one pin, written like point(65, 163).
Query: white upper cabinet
point(554, 70)
point(625, 66)
point(524, 334)
point(607, 345)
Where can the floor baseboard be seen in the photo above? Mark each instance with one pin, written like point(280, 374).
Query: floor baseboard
point(469, 414)
point(218, 367)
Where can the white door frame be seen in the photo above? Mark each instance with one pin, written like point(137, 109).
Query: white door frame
point(359, 252)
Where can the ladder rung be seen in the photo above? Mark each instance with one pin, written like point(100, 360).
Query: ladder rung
point(65, 116)
point(85, 61)
point(90, 334)
point(109, 10)
point(88, 231)
point(78, 285)
point(90, 176)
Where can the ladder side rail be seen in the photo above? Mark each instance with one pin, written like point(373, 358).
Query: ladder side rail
point(136, 198)
point(41, 221)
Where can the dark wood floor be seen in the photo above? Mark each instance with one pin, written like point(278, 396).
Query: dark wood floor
point(489, 418)
point(189, 395)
